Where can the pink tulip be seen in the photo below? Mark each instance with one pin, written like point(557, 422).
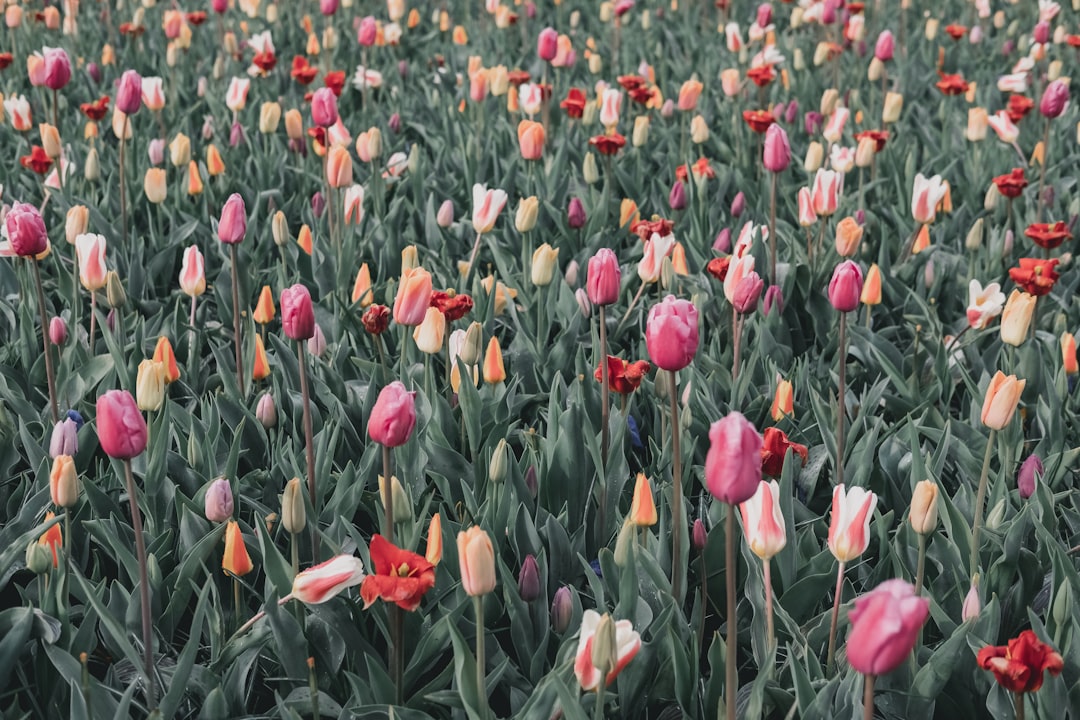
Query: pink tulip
point(328, 7)
point(233, 223)
point(297, 313)
point(90, 254)
point(846, 286)
point(413, 297)
point(677, 196)
point(747, 293)
point(602, 283)
point(885, 625)
point(367, 32)
point(393, 417)
point(326, 580)
point(575, 214)
point(764, 15)
point(120, 425)
point(487, 204)
point(883, 49)
point(129, 93)
point(1054, 100)
point(58, 331)
point(849, 524)
point(733, 464)
point(324, 111)
point(777, 155)
point(738, 268)
point(218, 503)
point(26, 230)
point(220, 6)
point(763, 523)
point(1041, 33)
point(57, 68)
point(671, 333)
point(547, 45)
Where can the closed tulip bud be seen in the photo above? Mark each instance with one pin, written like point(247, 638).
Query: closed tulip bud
point(1068, 354)
point(266, 411)
point(180, 150)
point(279, 229)
point(815, 155)
point(413, 296)
point(150, 385)
point(974, 238)
point(429, 334)
point(1062, 608)
point(493, 370)
point(783, 402)
point(562, 609)
point(699, 130)
point(129, 93)
point(114, 290)
point(476, 558)
point(545, 261)
point(445, 217)
point(339, 170)
point(92, 169)
point(76, 222)
point(235, 561)
point(871, 290)
point(643, 507)
point(924, 514)
point(885, 627)
point(402, 504)
point(64, 439)
point(501, 458)
point(393, 417)
point(58, 331)
point(121, 427)
point(64, 482)
point(218, 503)
point(232, 226)
point(575, 214)
point(1055, 99)
point(38, 557)
point(848, 235)
point(589, 170)
point(971, 607)
point(733, 463)
point(777, 154)
point(999, 403)
point(849, 523)
point(875, 70)
point(527, 211)
point(26, 230)
point(596, 64)
point(316, 344)
point(293, 510)
point(1028, 477)
point(50, 140)
point(584, 305)
point(1016, 318)
point(977, 124)
point(529, 579)
point(996, 516)
point(640, 135)
point(155, 150)
point(845, 287)
point(605, 651)
point(894, 104)
point(671, 333)
point(269, 117)
point(677, 196)
point(294, 124)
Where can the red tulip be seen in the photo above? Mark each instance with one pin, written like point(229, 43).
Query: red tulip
point(297, 313)
point(233, 223)
point(733, 464)
point(774, 450)
point(885, 625)
point(401, 577)
point(393, 417)
point(1020, 665)
point(671, 333)
point(121, 427)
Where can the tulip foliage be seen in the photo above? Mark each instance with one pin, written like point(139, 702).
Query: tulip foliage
point(629, 359)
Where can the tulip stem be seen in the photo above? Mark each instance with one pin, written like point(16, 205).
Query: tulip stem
point(49, 374)
point(397, 652)
point(144, 584)
point(770, 623)
point(236, 320)
point(868, 698)
point(388, 496)
point(1019, 704)
point(736, 332)
point(772, 228)
point(313, 688)
point(123, 191)
point(1042, 172)
point(598, 708)
point(980, 500)
point(236, 598)
point(704, 599)
point(678, 519)
point(295, 546)
point(731, 683)
point(835, 617)
point(257, 617)
point(841, 369)
point(629, 308)
point(920, 568)
point(472, 261)
point(309, 449)
point(605, 410)
point(481, 680)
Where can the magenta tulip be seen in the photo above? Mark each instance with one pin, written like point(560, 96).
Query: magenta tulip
point(604, 277)
point(367, 31)
point(233, 223)
point(885, 625)
point(671, 333)
point(26, 230)
point(547, 45)
point(846, 286)
point(393, 417)
point(129, 93)
point(57, 68)
point(883, 49)
point(120, 425)
point(297, 313)
point(1054, 99)
point(777, 155)
point(733, 464)
point(324, 111)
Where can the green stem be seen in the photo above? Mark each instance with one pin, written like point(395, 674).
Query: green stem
point(605, 416)
point(678, 519)
point(772, 229)
point(835, 617)
point(388, 496)
point(144, 585)
point(841, 382)
point(980, 500)
point(49, 373)
point(920, 571)
point(481, 679)
point(123, 191)
point(236, 320)
point(731, 684)
point(598, 709)
point(1019, 704)
point(770, 623)
point(309, 449)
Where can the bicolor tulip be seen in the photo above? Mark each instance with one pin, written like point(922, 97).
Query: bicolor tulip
point(984, 304)
point(763, 522)
point(163, 353)
point(413, 296)
point(626, 646)
point(926, 196)
point(328, 579)
point(193, 272)
point(849, 523)
point(90, 253)
point(885, 625)
point(733, 463)
point(825, 193)
point(487, 204)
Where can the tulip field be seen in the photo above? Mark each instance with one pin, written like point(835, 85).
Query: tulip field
point(539, 359)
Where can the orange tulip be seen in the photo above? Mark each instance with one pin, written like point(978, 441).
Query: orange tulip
point(531, 139)
point(163, 353)
point(214, 164)
point(195, 183)
point(52, 539)
point(922, 240)
point(264, 308)
point(303, 239)
point(261, 368)
point(871, 289)
point(689, 94)
point(494, 371)
point(1068, 353)
point(848, 235)
point(643, 507)
point(434, 540)
point(339, 167)
point(361, 291)
point(784, 401)
point(236, 561)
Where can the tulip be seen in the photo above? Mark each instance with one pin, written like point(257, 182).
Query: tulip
point(763, 525)
point(689, 94)
point(885, 625)
point(445, 217)
point(150, 385)
point(1020, 666)
point(547, 44)
point(52, 540)
point(494, 371)
point(64, 482)
point(1054, 99)
point(339, 170)
point(733, 463)
point(575, 214)
point(603, 279)
point(777, 153)
point(413, 296)
point(297, 313)
point(1068, 354)
point(527, 213)
point(531, 139)
point(236, 96)
point(1016, 317)
point(999, 403)
point(429, 334)
point(677, 196)
point(893, 105)
point(1027, 479)
point(266, 411)
point(64, 439)
point(57, 68)
point(402, 507)
point(26, 230)
point(626, 644)
point(218, 503)
point(393, 417)
point(925, 198)
point(487, 204)
point(129, 93)
point(672, 333)
point(529, 579)
point(643, 507)
point(544, 262)
point(984, 304)
point(236, 561)
point(154, 185)
point(848, 235)
point(328, 579)
point(232, 226)
point(845, 286)
point(747, 293)
point(825, 194)
point(561, 610)
point(434, 550)
point(477, 559)
point(261, 363)
point(121, 427)
point(849, 525)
